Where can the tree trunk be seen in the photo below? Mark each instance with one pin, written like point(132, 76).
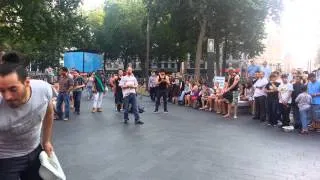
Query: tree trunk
point(147, 60)
point(202, 33)
point(225, 53)
point(217, 58)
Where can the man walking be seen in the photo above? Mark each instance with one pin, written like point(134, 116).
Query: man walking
point(162, 91)
point(129, 84)
point(65, 87)
point(26, 118)
point(78, 86)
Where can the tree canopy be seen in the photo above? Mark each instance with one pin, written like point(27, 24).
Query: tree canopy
point(43, 29)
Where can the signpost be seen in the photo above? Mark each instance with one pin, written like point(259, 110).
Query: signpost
point(210, 60)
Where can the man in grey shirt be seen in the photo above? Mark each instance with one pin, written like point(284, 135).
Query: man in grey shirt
point(25, 110)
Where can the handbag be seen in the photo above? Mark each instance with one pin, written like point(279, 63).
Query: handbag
point(50, 168)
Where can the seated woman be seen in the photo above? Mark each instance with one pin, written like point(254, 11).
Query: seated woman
point(193, 96)
point(221, 102)
point(213, 97)
point(185, 91)
point(205, 94)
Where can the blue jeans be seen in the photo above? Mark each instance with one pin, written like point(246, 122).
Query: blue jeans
point(77, 100)
point(131, 99)
point(304, 118)
point(181, 97)
point(63, 97)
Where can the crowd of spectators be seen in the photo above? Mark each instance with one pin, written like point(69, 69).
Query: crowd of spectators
point(286, 100)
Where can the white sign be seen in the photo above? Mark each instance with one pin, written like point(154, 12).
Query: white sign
point(210, 45)
point(220, 80)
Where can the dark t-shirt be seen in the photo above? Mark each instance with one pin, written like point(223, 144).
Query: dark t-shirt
point(296, 91)
point(273, 95)
point(78, 81)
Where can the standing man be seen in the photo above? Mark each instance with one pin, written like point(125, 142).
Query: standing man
point(129, 84)
point(65, 87)
point(163, 83)
point(266, 69)
point(260, 97)
point(26, 118)
point(252, 69)
point(118, 96)
point(314, 91)
point(79, 84)
point(152, 86)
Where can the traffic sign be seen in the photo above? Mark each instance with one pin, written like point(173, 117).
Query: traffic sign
point(210, 45)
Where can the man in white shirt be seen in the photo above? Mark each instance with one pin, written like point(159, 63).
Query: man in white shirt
point(26, 118)
point(260, 97)
point(285, 90)
point(129, 84)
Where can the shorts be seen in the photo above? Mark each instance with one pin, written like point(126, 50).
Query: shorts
point(232, 97)
point(235, 97)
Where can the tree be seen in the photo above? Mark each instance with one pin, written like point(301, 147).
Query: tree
point(42, 29)
point(121, 34)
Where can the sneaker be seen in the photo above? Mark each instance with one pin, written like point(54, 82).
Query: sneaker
point(66, 119)
point(235, 117)
point(155, 111)
point(78, 113)
point(99, 110)
point(139, 122)
point(126, 121)
point(166, 112)
point(94, 110)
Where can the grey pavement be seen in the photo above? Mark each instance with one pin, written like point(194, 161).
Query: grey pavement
point(185, 144)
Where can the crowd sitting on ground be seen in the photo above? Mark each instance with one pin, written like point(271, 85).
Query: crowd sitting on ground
point(269, 99)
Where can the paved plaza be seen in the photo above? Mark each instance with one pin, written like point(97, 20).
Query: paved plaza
point(185, 144)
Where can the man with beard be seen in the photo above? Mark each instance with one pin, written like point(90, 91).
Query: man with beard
point(118, 91)
point(129, 84)
point(26, 118)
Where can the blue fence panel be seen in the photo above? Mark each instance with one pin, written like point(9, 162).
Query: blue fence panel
point(92, 62)
point(83, 61)
point(73, 60)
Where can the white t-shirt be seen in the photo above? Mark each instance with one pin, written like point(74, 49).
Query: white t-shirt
point(285, 91)
point(20, 128)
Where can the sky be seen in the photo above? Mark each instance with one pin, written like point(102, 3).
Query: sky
point(92, 4)
point(299, 30)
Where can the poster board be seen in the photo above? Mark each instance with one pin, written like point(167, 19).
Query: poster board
point(220, 80)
